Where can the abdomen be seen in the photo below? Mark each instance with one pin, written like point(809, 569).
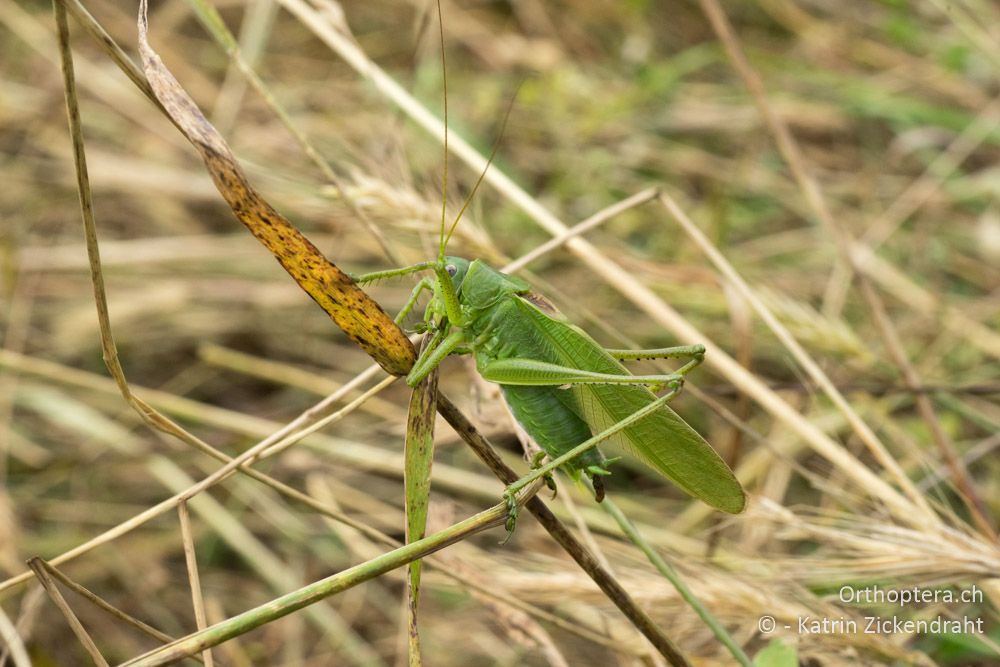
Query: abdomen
point(556, 428)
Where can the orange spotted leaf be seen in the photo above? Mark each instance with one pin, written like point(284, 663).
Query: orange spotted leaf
point(361, 318)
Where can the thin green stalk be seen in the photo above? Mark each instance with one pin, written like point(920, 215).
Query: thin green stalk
point(419, 457)
point(667, 570)
point(562, 535)
point(303, 597)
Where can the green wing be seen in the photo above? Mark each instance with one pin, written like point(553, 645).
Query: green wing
point(663, 440)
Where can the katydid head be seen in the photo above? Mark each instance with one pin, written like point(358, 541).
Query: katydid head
point(457, 268)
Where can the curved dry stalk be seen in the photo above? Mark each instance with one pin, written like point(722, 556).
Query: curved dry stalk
point(273, 444)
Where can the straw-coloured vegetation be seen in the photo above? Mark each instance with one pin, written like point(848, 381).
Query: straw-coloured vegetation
point(212, 468)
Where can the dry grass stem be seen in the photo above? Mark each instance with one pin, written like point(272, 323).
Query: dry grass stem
point(827, 227)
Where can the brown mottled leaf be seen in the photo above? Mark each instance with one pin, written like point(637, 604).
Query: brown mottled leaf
point(361, 318)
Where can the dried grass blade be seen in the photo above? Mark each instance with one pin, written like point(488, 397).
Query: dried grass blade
point(50, 587)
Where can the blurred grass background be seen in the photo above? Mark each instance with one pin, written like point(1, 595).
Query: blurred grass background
point(610, 98)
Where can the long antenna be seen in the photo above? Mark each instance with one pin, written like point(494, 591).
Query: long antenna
point(444, 180)
point(445, 238)
point(493, 152)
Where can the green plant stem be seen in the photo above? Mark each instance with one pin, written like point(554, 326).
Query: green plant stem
point(307, 595)
point(667, 570)
point(561, 534)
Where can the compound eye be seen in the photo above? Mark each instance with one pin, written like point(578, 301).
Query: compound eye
point(451, 269)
